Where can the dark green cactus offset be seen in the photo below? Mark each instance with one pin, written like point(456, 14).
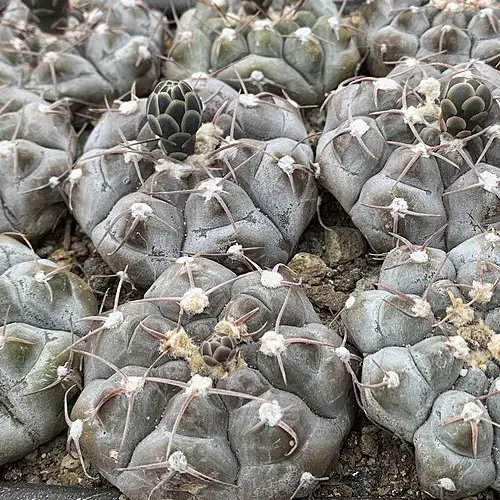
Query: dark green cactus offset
point(465, 106)
point(218, 351)
point(174, 115)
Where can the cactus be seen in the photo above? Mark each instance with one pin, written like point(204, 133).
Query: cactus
point(37, 147)
point(249, 195)
point(41, 306)
point(404, 160)
point(161, 404)
point(299, 49)
point(100, 52)
point(440, 31)
point(430, 336)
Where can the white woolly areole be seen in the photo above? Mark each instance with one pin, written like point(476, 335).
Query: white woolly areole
point(472, 412)
point(385, 84)
point(271, 279)
point(133, 385)
point(50, 57)
point(199, 385)
point(235, 249)
point(248, 100)
point(144, 52)
point(497, 384)
point(421, 149)
point(459, 347)
point(200, 75)
point(419, 256)
point(128, 107)
point(343, 354)
point(270, 413)
point(185, 260)
point(194, 301)
point(54, 181)
point(430, 88)
point(101, 28)
point(76, 429)
point(185, 36)
point(303, 34)
point(62, 371)
point(210, 188)
point(162, 165)
point(287, 164)
point(446, 484)
point(140, 211)
point(492, 236)
point(391, 380)
point(272, 343)
point(75, 175)
point(307, 479)
point(358, 128)
point(397, 206)
point(113, 320)
point(421, 308)
point(350, 302)
point(256, 76)
point(489, 181)
point(334, 23)
point(228, 34)
point(129, 3)
point(44, 108)
point(493, 131)
point(132, 156)
point(178, 462)
point(6, 148)
point(40, 277)
point(481, 292)
point(463, 372)
point(413, 115)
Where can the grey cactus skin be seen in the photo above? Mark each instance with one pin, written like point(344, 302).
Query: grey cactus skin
point(444, 450)
point(37, 143)
point(34, 344)
point(213, 427)
point(378, 182)
point(389, 31)
point(435, 380)
point(269, 209)
point(103, 51)
point(306, 53)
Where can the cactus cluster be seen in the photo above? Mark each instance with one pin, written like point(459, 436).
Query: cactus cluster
point(248, 191)
point(183, 148)
point(298, 48)
point(202, 384)
point(415, 153)
point(429, 334)
point(441, 31)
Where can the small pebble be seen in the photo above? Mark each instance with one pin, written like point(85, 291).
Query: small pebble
point(343, 244)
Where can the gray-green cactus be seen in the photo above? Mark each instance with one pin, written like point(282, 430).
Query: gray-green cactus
point(157, 417)
point(427, 379)
point(101, 51)
point(37, 148)
point(300, 48)
point(401, 164)
point(250, 194)
point(448, 32)
point(41, 306)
